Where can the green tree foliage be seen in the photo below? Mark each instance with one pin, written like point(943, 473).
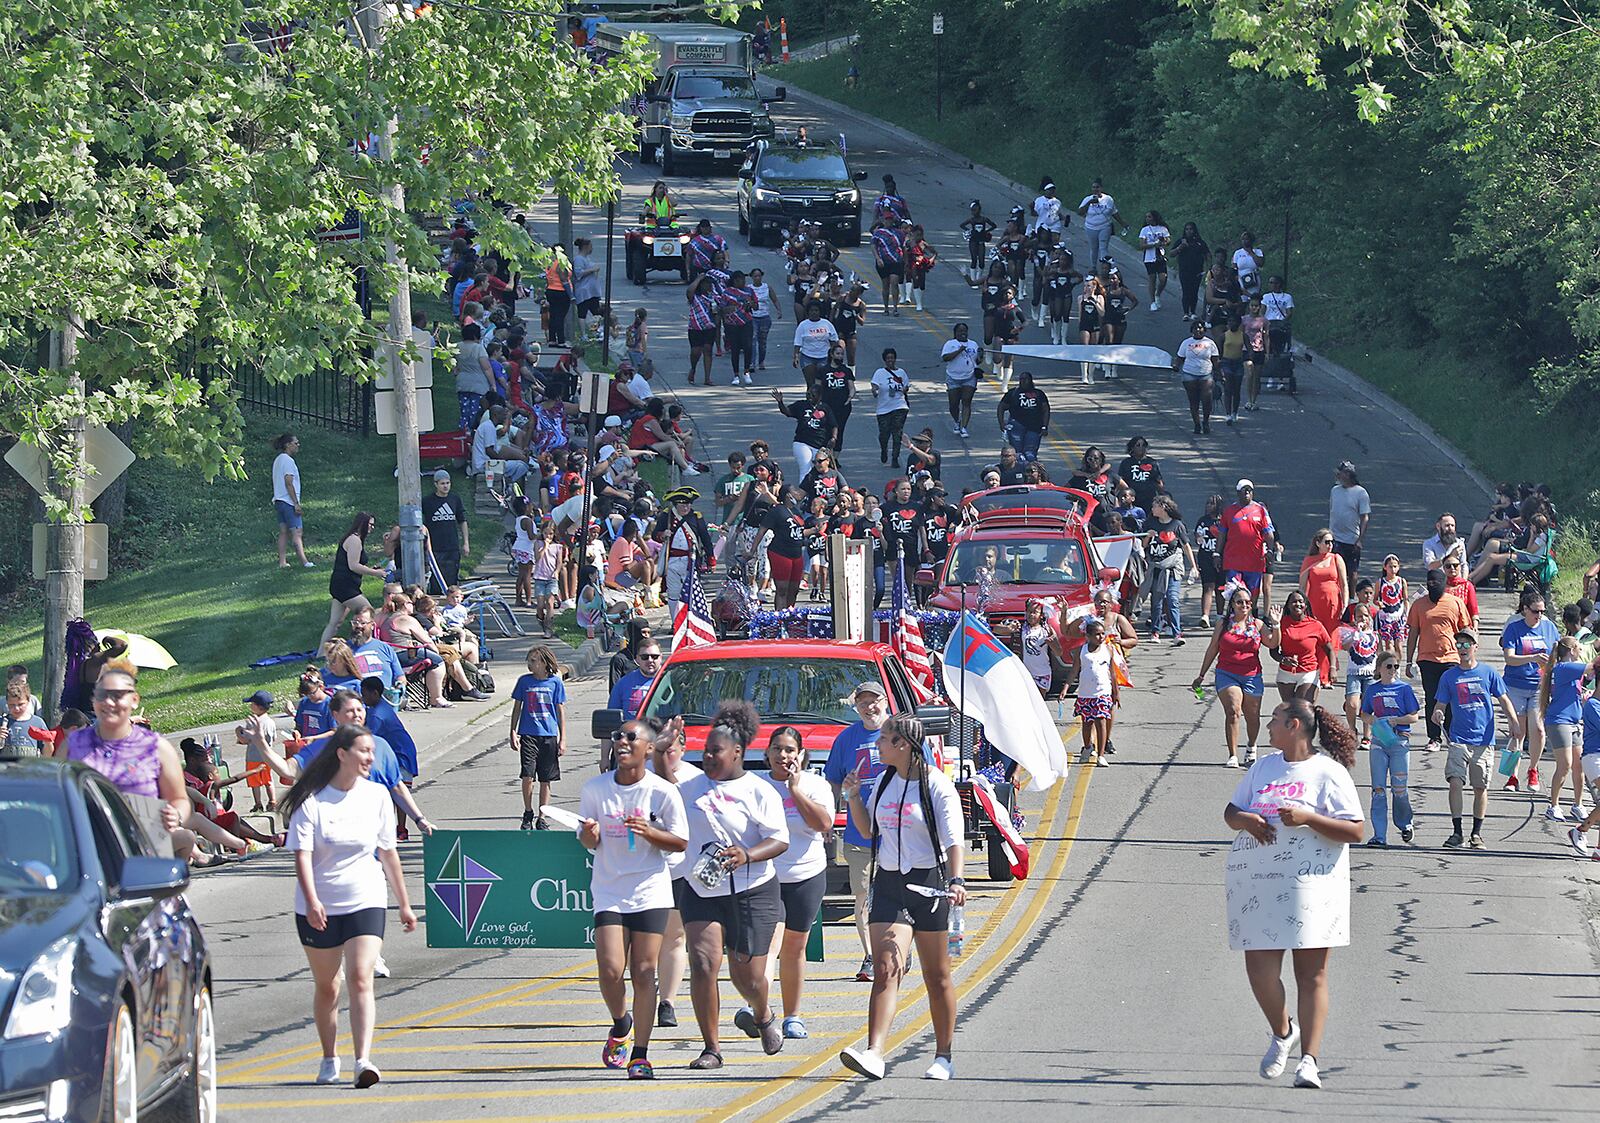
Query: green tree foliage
point(164, 168)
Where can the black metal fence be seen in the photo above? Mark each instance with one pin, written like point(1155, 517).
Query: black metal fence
point(331, 399)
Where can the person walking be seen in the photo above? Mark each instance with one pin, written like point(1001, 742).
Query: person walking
point(337, 822)
point(814, 424)
point(701, 298)
point(767, 310)
point(1024, 416)
point(1235, 648)
point(1303, 646)
point(1166, 546)
point(960, 358)
point(286, 500)
point(739, 305)
point(1349, 512)
point(349, 567)
point(814, 338)
point(449, 530)
point(889, 255)
point(539, 730)
point(1300, 802)
point(731, 898)
point(1560, 707)
point(1100, 217)
point(1471, 693)
point(1527, 641)
point(1432, 623)
point(1322, 580)
point(1193, 256)
point(1154, 237)
point(802, 869)
point(1245, 537)
point(891, 387)
point(634, 821)
point(913, 815)
point(855, 752)
point(558, 289)
point(1388, 707)
point(1198, 360)
point(1098, 694)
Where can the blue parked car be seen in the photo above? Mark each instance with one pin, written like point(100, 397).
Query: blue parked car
point(105, 982)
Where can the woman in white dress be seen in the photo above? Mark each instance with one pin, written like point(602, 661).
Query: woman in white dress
point(1297, 812)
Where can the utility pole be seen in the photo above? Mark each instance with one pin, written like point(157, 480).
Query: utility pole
point(63, 582)
point(564, 201)
point(408, 461)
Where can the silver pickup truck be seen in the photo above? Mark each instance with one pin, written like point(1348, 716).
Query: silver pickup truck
point(702, 104)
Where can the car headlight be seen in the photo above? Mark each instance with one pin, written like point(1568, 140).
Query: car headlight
point(764, 196)
point(682, 124)
point(850, 196)
point(43, 1003)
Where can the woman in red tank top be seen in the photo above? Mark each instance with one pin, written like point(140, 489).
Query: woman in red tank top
point(1235, 647)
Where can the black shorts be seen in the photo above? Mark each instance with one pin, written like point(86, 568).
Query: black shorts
point(702, 337)
point(1209, 574)
point(652, 922)
point(1151, 268)
point(891, 269)
point(1088, 323)
point(893, 903)
point(590, 307)
point(802, 900)
point(346, 926)
point(541, 757)
point(748, 917)
point(845, 328)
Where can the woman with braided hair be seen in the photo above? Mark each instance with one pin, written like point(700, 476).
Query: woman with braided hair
point(918, 835)
point(1299, 811)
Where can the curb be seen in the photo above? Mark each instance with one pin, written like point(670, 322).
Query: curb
point(1342, 375)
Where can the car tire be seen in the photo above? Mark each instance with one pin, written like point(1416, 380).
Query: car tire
point(999, 867)
point(194, 1100)
point(119, 1079)
point(745, 229)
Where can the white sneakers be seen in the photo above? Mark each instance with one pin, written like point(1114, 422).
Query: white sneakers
point(1306, 1074)
point(1155, 305)
point(328, 1073)
point(1555, 814)
point(380, 968)
point(940, 1069)
point(1250, 754)
point(863, 1061)
point(1276, 1058)
point(367, 1073)
point(1580, 842)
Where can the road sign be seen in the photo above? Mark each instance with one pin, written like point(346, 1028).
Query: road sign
point(96, 551)
point(106, 455)
point(938, 23)
point(383, 412)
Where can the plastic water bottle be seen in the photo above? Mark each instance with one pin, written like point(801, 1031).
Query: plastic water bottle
point(1200, 693)
point(958, 930)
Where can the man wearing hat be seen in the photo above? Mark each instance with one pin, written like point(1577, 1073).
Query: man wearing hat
point(855, 750)
point(1246, 536)
point(686, 541)
point(445, 516)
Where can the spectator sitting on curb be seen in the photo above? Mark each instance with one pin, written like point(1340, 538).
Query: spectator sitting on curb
point(204, 788)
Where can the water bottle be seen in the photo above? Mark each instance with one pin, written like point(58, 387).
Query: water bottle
point(958, 930)
point(1200, 693)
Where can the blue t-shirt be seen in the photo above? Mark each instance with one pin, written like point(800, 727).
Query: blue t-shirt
point(384, 722)
point(855, 749)
point(628, 694)
point(1565, 701)
point(1385, 699)
point(1471, 695)
point(311, 718)
point(539, 698)
point(377, 658)
point(1591, 726)
point(385, 765)
point(1541, 639)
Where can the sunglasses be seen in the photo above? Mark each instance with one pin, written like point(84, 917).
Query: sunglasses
point(112, 695)
point(624, 735)
point(643, 655)
point(1463, 644)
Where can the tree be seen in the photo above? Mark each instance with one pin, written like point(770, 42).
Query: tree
point(165, 167)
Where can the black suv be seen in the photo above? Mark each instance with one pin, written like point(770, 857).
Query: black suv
point(785, 180)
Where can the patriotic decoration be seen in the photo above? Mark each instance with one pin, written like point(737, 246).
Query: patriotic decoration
point(906, 637)
point(985, 681)
point(692, 626)
point(1012, 844)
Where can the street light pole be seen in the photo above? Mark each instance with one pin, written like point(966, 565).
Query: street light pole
point(605, 307)
point(408, 460)
point(938, 65)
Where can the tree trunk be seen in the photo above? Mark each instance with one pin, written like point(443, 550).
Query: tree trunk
point(63, 582)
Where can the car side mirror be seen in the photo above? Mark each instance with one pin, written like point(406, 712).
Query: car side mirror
point(146, 878)
point(858, 176)
point(1110, 574)
point(604, 723)
point(935, 720)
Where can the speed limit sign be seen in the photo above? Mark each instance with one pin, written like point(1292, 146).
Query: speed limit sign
point(938, 23)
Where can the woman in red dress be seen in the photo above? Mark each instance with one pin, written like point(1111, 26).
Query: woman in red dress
point(1322, 580)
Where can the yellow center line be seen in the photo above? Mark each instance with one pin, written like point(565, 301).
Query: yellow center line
point(542, 1090)
point(994, 959)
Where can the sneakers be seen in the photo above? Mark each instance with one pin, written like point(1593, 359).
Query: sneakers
point(1276, 1058)
point(1155, 305)
point(527, 820)
point(1454, 841)
point(1511, 784)
point(1408, 833)
point(666, 1016)
point(1250, 754)
point(863, 1061)
point(380, 968)
point(1533, 779)
point(328, 1072)
point(1205, 621)
point(940, 1069)
point(961, 431)
point(1306, 1074)
point(367, 1073)
point(1476, 841)
point(1233, 761)
point(1555, 813)
point(539, 824)
point(1434, 746)
point(1178, 641)
point(1376, 842)
point(864, 972)
point(1575, 837)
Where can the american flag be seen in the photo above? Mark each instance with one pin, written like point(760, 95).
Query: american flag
point(906, 637)
point(691, 626)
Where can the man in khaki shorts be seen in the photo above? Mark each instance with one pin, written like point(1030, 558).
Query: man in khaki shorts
point(855, 749)
point(1470, 692)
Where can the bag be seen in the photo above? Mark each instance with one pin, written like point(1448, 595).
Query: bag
point(485, 681)
point(1509, 761)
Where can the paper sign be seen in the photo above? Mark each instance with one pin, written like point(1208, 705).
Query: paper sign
point(1293, 893)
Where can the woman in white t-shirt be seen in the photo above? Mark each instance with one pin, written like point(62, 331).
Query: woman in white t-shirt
point(1197, 360)
point(918, 840)
point(1154, 237)
point(286, 499)
point(634, 822)
point(730, 896)
point(1297, 812)
point(338, 818)
point(891, 387)
point(803, 868)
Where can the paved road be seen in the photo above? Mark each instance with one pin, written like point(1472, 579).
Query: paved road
point(1105, 982)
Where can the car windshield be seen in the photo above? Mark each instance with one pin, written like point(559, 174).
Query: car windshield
point(780, 689)
point(788, 167)
point(36, 852)
point(702, 86)
point(1019, 561)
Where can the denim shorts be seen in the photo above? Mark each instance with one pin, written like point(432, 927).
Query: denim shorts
point(1355, 684)
point(544, 587)
point(1250, 684)
point(287, 515)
